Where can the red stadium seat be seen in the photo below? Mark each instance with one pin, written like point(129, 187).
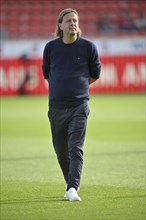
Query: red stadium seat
point(36, 15)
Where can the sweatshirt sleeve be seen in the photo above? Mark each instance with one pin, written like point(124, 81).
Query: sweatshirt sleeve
point(94, 63)
point(46, 63)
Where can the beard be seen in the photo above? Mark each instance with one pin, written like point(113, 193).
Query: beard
point(73, 33)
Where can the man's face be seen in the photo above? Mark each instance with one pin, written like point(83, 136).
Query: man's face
point(70, 24)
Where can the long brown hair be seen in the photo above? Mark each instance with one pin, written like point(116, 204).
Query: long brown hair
point(58, 32)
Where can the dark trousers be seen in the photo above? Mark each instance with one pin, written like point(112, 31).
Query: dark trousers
point(68, 127)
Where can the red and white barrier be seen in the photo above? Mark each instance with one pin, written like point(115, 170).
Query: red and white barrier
point(120, 74)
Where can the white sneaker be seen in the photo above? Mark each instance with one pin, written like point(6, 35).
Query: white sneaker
point(72, 195)
point(66, 191)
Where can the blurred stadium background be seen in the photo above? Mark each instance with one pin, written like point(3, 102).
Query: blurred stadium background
point(117, 28)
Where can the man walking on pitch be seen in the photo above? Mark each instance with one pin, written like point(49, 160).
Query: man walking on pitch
point(70, 64)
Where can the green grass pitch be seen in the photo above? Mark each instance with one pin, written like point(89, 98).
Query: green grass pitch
point(113, 178)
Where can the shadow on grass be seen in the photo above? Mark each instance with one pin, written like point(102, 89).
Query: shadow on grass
point(59, 199)
point(47, 199)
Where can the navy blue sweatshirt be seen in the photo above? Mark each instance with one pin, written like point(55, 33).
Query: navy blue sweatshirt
point(67, 67)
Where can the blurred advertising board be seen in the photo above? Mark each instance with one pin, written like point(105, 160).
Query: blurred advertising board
point(120, 74)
